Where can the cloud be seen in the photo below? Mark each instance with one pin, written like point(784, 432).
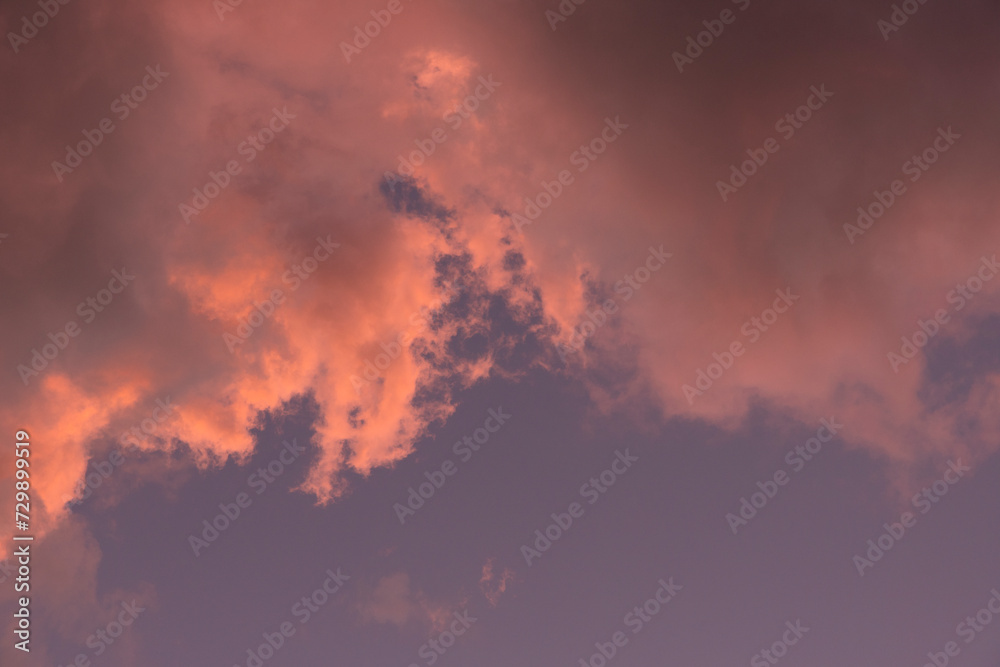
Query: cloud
point(497, 299)
point(69, 610)
point(494, 585)
point(393, 600)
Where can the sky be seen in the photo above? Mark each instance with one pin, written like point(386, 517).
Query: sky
point(505, 332)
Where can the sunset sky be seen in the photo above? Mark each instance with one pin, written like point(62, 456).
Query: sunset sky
point(502, 332)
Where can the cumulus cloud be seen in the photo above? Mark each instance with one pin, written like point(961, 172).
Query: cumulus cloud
point(437, 256)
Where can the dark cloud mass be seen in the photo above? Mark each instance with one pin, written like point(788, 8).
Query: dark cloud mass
point(395, 287)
